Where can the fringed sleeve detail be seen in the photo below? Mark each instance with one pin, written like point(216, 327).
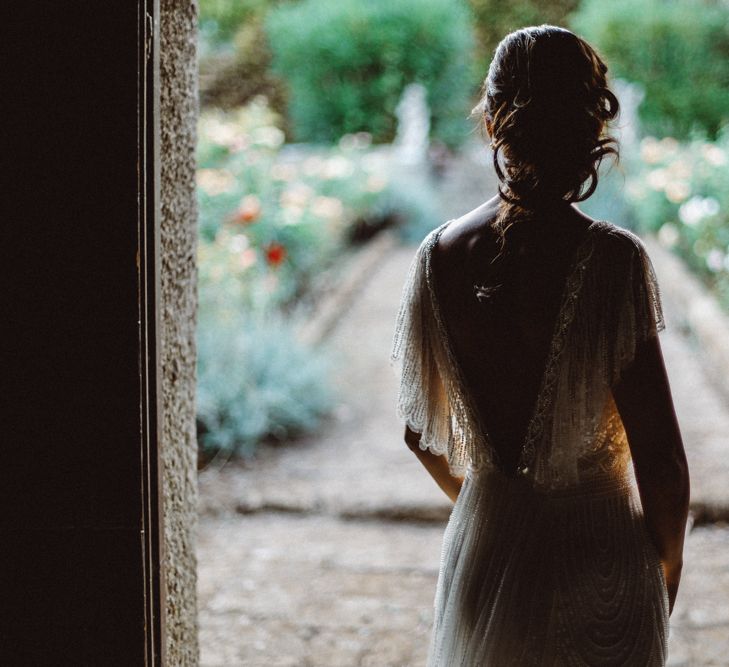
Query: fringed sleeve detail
point(639, 307)
point(428, 401)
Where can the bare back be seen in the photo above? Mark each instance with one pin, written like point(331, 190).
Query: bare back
point(516, 323)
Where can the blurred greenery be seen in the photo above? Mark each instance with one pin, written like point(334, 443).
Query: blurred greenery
point(346, 64)
point(220, 20)
point(235, 59)
point(497, 18)
point(256, 381)
point(273, 220)
point(679, 191)
point(678, 50)
point(277, 219)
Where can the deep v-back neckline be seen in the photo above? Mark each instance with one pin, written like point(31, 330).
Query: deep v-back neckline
point(563, 317)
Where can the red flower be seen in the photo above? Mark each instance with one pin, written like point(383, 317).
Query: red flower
point(275, 254)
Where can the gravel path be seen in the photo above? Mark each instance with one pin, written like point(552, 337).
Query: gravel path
point(326, 552)
point(288, 590)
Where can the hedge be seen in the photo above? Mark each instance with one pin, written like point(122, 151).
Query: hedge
point(346, 63)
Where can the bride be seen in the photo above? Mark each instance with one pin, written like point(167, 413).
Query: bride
point(533, 390)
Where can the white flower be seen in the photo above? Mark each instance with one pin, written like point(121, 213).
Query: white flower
point(714, 155)
point(327, 207)
point(650, 150)
point(296, 195)
point(657, 178)
point(215, 181)
point(696, 209)
point(268, 136)
point(220, 132)
point(247, 258)
point(680, 168)
point(238, 243)
point(715, 260)
point(357, 141)
point(711, 206)
point(677, 191)
point(338, 167)
point(668, 234)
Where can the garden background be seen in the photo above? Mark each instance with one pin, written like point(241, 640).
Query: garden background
point(332, 137)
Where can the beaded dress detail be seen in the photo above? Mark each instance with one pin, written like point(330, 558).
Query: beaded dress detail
point(550, 564)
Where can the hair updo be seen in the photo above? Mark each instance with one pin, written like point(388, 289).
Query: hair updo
point(545, 104)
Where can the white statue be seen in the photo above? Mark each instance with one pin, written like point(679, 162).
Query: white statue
point(413, 125)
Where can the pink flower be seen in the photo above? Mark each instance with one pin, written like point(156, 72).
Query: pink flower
point(249, 210)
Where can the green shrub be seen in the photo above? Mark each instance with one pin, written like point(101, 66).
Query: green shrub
point(346, 63)
point(678, 50)
point(234, 78)
point(220, 20)
point(678, 190)
point(256, 381)
point(234, 57)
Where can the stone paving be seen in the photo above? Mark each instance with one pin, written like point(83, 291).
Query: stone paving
point(319, 591)
point(326, 552)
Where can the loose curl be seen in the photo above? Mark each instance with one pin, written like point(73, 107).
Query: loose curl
point(545, 105)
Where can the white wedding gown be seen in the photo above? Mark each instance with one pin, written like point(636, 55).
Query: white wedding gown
point(552, 565)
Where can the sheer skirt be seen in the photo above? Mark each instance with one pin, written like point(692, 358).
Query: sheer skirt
point(530, 578)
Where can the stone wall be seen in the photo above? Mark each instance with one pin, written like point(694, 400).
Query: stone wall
point(178, 109)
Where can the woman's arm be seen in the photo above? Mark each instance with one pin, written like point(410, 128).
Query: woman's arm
point(643, 398)
point(436, 465)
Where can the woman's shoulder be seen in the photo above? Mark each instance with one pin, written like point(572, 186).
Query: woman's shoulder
point(457, 238)
point(620, 242)
point(459, 235)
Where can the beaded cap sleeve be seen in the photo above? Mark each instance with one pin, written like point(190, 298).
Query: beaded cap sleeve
point(641, 312)
point(430, 399)
point(615, 307)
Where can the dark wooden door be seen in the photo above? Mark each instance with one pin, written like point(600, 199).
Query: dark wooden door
point(79, 521)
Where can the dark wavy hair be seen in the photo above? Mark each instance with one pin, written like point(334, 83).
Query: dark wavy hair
point(545, 105)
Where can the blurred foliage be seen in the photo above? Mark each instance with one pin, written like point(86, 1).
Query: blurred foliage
point(679, 191)
point(275, 221)
point(678, 50)
point(234, 58)
point(232, 78)
point(346, 63)
point(497, 18)
point(256, 193)
point(220, 20)
point(256, 381)
point(608, 201)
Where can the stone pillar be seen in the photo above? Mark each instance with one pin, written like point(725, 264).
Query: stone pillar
point(178, 302)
